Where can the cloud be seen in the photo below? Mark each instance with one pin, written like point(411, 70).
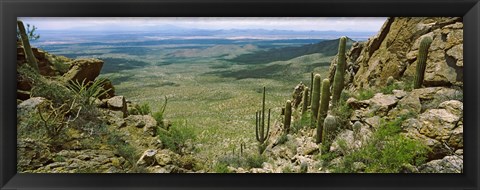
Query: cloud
point(146, 23)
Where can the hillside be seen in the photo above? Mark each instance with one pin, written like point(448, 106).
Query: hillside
point(327, 48)
point(392, 104)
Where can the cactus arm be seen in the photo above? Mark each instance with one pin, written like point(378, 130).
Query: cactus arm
point(322, 113)
point(305, 100)
point(422, 61)
point(26, 46)
point(339, 77)
point(288, 115)
point(315, 99)
point(268, 126)
point(256, 126)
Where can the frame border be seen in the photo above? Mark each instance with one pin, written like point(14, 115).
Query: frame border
point(11, 9)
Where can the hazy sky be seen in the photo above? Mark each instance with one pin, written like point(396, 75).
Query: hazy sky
point(370, 24)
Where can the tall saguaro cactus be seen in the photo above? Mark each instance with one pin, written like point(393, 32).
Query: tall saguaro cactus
point(339, 78)
point(305, 100)
point(260, 132)
point(329, 127)
point(26, 46)
point(288, 116)
point(315, 98)
point(311, 89)
point(322, 113)
point(422, 61)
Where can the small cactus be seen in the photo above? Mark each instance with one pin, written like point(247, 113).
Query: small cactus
point(260, 133)
point(390, 80)
point(288, 116)
point(329, 127)
point(31, 60)
point(322, 113)
point(339, 78)
point(356, 130)
point(305, 100)
point(422, 61)
point(315, 98)
point(304, 167)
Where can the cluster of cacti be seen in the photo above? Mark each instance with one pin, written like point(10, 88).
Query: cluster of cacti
point(339, 72)
point(288, 116)
point(31, 60)
point(323, 110)
point(422, 61)
point(329, 127)
point(260, 133)
point(305, 100)
point(315, 98)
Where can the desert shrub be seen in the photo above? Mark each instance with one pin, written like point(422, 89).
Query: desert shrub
point(282, 139)
point(287, 169)
point(143, 109)
point(221, 168)
point(159, 114)
point(175, 138)
point(364, 94)
point(342, 111)
point(123, 148)
point(247, 162)
point(53, 91)
point(60, 66)
point(87, 92)
point(389, 88)
point(300, 123)
point(387, 151)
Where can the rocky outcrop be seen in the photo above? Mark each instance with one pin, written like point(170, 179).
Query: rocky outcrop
point(393, 51)
point(83, 69)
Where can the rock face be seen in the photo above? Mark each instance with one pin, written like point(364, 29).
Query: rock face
point(81, 69)
point(393, 52)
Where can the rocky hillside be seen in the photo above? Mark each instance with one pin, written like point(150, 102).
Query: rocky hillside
point(71, 121)
point(382, 123)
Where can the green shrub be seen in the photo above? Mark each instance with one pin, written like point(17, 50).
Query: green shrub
point(389, 88)
point(143, 109)
point(175, 138)
point(342, 111)
point(159, 114)
point(387, 151)
point(221, 168)
point(86, 92)
point(364, 94)
point(247, 162)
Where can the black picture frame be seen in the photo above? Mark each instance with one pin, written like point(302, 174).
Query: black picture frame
point(11, 9)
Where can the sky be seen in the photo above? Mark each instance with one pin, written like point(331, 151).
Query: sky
point(361, 24)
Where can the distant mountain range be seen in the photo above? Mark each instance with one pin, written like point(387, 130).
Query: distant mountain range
point(327, 48)
point(186, 33)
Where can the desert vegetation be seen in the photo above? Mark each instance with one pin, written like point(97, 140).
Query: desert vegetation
point(226, 106)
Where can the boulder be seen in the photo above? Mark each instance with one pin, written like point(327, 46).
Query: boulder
point(84, 69)
point(382, 103)
point(147, 158)
point(30, 105)
point(448, 164)
point(147, 122)
point(118, 103)
point(393, 51)
point(297, 95)
point(32, 154)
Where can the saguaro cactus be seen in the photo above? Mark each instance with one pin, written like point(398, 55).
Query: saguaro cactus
point(422, 61)
point(288, 116)
point(329, 127)
point(315, 98)
point(305, 100)
point(339, 78)
point(322, 113)
point(260, 132)
point(26, 46)
point(311, 89)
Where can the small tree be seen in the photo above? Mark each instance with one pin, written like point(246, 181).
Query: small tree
point(30, 32)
